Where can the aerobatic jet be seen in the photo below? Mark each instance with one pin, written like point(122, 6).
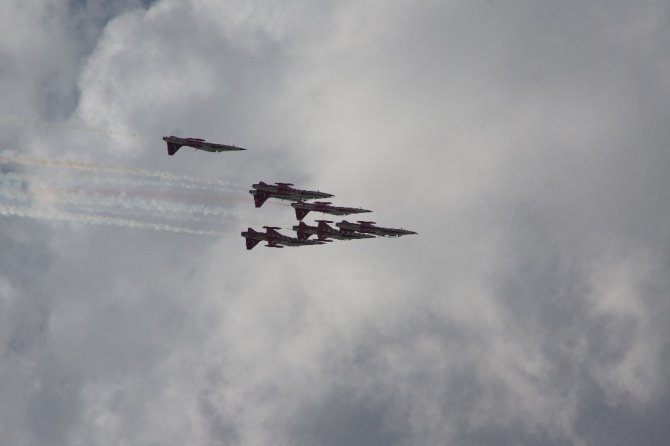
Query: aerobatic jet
point(274, 239)
point(368, 227)
point(302, 208)
point(174, 143)
point(283, 191)
point(324, 231)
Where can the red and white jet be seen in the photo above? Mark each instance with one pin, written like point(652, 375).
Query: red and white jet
point(368, 227)
point(302, 209)
point(283, 191)
point(174, 143)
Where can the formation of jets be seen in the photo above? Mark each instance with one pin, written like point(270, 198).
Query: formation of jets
point(262, 191)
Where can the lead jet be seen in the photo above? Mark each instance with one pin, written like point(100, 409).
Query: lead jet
point(324, 231)
point(174, 143)
point(283, 191)
point(368, 227)
point(302, 208)
point(274, 239)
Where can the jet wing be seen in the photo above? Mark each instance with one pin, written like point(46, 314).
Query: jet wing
point(290, 241)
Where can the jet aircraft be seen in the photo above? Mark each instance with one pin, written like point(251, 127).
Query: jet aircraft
point(283, 191)
point(174, 143)
point(302, 208)
point(324, 231)
point(368, 227)
point(274, 239)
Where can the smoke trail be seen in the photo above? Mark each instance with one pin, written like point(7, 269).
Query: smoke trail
point(115, 198)
point(186, 181)
point(56, 215)
point(112, 195)
point(23, 196)
point(119, 201)
point(16, 121)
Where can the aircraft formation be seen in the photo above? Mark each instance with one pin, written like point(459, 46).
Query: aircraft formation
point(344, 230)
point(322, 231)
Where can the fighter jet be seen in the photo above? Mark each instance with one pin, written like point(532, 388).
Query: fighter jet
point(324, 231)
point(302, 208)
point(368, 227)
point(174, 143)
point(274, 239)
point(283, 191)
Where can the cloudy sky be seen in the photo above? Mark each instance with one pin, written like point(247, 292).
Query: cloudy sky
point(526, 141)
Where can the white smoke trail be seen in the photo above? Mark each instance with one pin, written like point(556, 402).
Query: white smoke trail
point(152, 206)
point(117, 198)
point(56, 215)
point(96, 181)
point(186, 181)
point(18, 198)
point(99, 196)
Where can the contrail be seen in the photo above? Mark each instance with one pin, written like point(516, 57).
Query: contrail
point(55, 215)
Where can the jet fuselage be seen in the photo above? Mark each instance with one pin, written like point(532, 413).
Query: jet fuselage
point(302, 209)
point(174, 143)
point(368, 227)
point(283, 191)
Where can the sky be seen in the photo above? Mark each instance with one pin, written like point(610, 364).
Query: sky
point(525, 141)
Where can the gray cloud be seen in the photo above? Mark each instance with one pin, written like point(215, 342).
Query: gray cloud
point(525, 142)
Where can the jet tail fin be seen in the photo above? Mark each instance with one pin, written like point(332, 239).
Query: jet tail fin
point(324, 226)
point(302, 231)
point(300, 213)
point(172, 148)
point(259, 198)
point(251, 242)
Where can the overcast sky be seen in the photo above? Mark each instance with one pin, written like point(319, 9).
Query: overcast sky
point(526, 141)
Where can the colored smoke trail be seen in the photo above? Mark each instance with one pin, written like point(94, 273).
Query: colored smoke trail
point(107, 195)
point(92, 219)
point(185, 181)
point(122, 202)
point(16, 121)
